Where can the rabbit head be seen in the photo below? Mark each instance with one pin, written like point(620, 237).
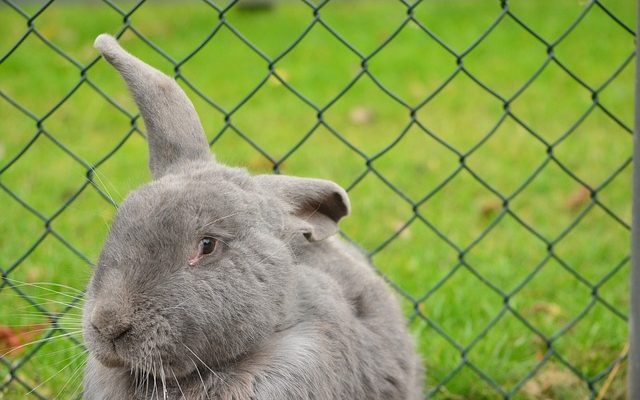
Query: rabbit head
point(198, 266)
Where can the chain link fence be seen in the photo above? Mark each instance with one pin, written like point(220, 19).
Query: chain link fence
point(500, 215)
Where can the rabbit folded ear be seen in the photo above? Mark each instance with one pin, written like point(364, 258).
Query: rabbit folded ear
point(316, 205)
point(175, 134)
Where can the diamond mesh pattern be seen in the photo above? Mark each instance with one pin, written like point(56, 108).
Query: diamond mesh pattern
point(512, 212)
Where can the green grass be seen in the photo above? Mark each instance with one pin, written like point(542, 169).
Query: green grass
point(411, 66)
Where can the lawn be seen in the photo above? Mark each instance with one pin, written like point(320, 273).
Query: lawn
point(497, 204)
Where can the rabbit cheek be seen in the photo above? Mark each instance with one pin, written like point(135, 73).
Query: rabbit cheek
point(158, 341)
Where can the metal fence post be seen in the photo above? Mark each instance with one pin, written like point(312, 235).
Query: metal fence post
point(634, 315)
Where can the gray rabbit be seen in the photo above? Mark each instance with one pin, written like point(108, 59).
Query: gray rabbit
point(214, 284)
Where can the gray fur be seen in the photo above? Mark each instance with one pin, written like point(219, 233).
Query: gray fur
point(280, 310)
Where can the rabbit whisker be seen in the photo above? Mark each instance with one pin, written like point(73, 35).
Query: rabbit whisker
point(135, 370)
point(143, 375)
point(71, 378)
point(65, 294)
point(49, 324)
point(220, 377)
point(48, 301)
point(146, 376)
point(178, 383)
point(65, 350)
point(208, 224)
point(73, 299)
point(38, 320)
point(206, 392)
point(73, 358)
point(46, 329)
point(104, 186)
point(155, 383)
point(203, 363)
point(174, 307)
point(79, 385)
point(48, 314)
point(41, 285)
point(154, 373)
point(162, 377)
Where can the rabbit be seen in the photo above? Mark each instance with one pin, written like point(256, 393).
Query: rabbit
point(216, 284)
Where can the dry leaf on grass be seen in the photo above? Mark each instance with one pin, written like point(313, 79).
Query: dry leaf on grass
point(362, 115)
point(490, 207)
point(283, 74)
point(11, 338)
point(260, 163)
point(550, 309)
point(579, 196)
point(418, 90)
point(406, 233)
point(548, 381)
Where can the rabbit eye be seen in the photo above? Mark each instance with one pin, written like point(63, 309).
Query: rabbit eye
point(207, 245)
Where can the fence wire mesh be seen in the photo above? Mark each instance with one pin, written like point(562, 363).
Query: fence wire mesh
point(486, 147)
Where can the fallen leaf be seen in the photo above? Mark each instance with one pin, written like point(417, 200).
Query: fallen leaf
point(261, 164)
point(406, 233)
point(12, 338)
point(550, 309)
point(434, 164)
point(418, 90)
point(283, 74)
point(579, 196)
point(547, 381)
point(490, 207)
point(8, 339)
point(361, 115)
point(532, 388)
point(34, 275)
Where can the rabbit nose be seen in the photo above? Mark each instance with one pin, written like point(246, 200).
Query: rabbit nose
point(109, 321)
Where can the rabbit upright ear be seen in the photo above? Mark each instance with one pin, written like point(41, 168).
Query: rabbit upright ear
point(174, 131)
point(316, 205)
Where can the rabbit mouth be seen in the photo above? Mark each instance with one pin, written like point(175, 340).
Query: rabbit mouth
point(108, 357)
point(109, 353)
point(146, 361)
point(112, 362)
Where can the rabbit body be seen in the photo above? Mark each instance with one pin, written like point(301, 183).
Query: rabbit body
point(278, 309)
